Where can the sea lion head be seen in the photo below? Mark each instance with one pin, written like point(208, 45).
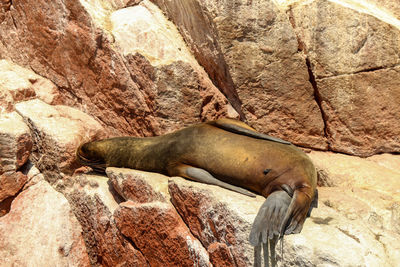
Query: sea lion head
point(92, 154)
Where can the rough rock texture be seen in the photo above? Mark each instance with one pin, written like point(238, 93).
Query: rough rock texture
point(195, 26)
point(151, 221)
point(41, 230)
point(18, 84)
point(182, 88)
point(322, 74)
point(353, 60)
point(93, 203)
point(15, 142)
point(57, 131)
point(260, 48)
point(83, 57)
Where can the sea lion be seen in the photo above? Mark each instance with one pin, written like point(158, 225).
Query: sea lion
point(227, 153)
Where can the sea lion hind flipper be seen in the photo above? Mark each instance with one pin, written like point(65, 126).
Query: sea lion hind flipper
point(239, 127)
point(203, 176)
point(269, 218)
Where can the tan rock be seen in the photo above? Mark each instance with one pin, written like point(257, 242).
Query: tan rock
point(15, 142)
point(57, 132)
point(354, 61)
point(198, 32)
point(40, 230)
point(183, 93)
point(20, 84)
point(259, 47)
point(354, 172)
point(362, 111)
point(349, 228)
point(135, 185)
point(357, 42)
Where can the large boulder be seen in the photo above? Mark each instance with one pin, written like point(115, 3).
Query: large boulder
point(93, 202)
point(259, 46)
point(41, 230)
point(86, 56)
point(355, 63)
point(151, 222)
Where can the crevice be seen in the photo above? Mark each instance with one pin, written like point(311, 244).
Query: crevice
point(134, 246)
point(317, 97)
point(182, 218)
point(349, 235)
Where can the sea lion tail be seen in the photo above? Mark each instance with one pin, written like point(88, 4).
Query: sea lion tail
point(267, 225)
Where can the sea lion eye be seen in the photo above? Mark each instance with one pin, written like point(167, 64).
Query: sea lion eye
point(266, 171)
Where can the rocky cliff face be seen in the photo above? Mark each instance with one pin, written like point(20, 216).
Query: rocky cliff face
point(322, 74)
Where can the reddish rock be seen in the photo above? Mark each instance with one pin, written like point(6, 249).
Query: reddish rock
point(15, 142)
point(220, 255)
point(95, 75)
point(11, 183)
point(161, 235)
point(104, 242)
point(133, 185)
point(149, 218)
point(40, 230)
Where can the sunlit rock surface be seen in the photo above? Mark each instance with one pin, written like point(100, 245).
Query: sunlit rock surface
point(57, 132)
point(151, 221)
point(41, 230)
point(321, 74)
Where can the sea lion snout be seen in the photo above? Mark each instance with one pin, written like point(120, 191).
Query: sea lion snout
point(88, 155)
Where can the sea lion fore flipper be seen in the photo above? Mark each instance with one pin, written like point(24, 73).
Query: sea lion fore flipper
point(239, 127)
point(267, 225)
point(270, 216)
point(203, 176)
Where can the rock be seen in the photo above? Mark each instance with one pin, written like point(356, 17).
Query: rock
point(157, 230)
point(217, 217)
point(354, 61)
point(357, 42)
point(41, 220)
point(15, 142)
point(199, 34)
point(375, 95)
point(151, 221)
point(93, 73)
point(93, 201)
point(11, 183)
point(354, 172)
point(259, 47)
point(57, 132)
point(344, 221)
point(21, 84)
point(183, 92)
point(135, 185)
